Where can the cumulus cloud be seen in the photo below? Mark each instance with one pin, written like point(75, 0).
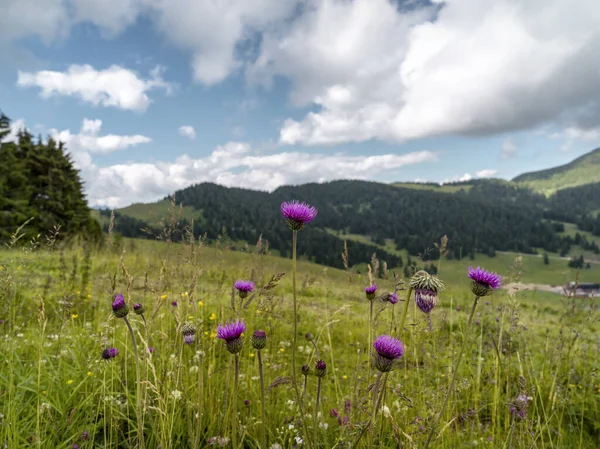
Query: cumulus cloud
point(115, 86)
point(235, 164)
point(486, 173)
point(187, 131)
point(88, 141)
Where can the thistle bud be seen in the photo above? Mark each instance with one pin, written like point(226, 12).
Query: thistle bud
point(305, 370)
point(110, 353)
point(320, 368)
point(309, 336)
point(119, 306)
point(138, 308)
point(189, 333)
point(259, 340)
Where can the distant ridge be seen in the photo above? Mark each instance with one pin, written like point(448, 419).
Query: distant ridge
point(583, 170)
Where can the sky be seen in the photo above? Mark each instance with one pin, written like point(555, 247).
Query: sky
point(151, 96)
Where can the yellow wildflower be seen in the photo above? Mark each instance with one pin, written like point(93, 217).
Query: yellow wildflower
point(213, 334)
point(344, 377)
point(89, 373)
point(69, 382)
point(212, 317)
point(200, 303)
point(281, 349)
point(251, 354)
point(74, 315)
point(205, 332)
point(163, 297)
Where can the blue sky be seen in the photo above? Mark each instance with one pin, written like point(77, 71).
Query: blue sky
point(153, 95)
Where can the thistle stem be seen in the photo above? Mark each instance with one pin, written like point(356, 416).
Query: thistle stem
point(405, 312)
point(456, 367)
point(263, 435)
point(374, 410)
point(234, 405)
point(315, 438)
point(370, 352)
point(138, 393)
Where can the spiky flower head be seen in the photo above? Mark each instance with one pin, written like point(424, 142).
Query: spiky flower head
point(138, 308)
point(259, 340)
point(424, 281)
point(232, 334)
point(389, 350)
point(392, 298)
point(297, 214)
point(320, 368)
point(110, 353)
point(189, 333)
point(119, 306)
point(309, 336)
point(483, 282)
point(243, 287)
point(370, 291)
point(305, 370)
point(426, 300)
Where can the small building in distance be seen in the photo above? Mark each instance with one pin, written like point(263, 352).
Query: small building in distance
point(583, 289)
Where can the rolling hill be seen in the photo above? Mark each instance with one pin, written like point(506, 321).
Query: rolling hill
point(581, 171)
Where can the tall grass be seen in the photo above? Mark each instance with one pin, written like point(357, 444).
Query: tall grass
point(56, 320)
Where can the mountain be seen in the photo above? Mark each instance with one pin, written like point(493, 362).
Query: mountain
point(492, 215)
point(581, 171)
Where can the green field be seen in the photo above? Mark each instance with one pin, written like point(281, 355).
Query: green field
point(445, 188)
point(56, 312)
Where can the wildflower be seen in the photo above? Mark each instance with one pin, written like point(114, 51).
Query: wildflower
point(150, 349)
point(189, 333)
point(200, 303)
point(85, 435)
point(309, 336)
point(305, 369)
point(174, 303)
point(393, 298)
point(138, 308)
point(231, 333)
point(276, 446)
point(69, 382)
point(388, 350)
point(89, 373)
point(297, 214)
point(110, 353)
point(75, 446)
point(483, 282)
point(320, 368)
point(333, 413)
point(424, 281)
point(247, 402)
point(282, 350)
point(176, 394)
point(519, 407)
point(386, 411)
point(243, 287)
point(370, 291)
point(73, 316)
point(119, 306)
point(212, 317)
point(425, 300)
point(259, 339)
point(251, 354)
point(163, 296)
point(344, 377)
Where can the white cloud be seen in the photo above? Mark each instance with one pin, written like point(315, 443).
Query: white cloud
point(465, 177)
point(478, 67)
point(15, 127)
point(235, 164)
point(508, 150)
point(115, 86)
point(81, 146)
point(187, 131)
point(486, 173)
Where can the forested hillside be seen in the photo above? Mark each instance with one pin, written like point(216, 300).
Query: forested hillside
point(40, 187)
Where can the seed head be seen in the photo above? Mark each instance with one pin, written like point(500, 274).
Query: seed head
point(297, 214)
point(483, 283)
point(259, 340)
point(189, 333)
point(119, 306)
point(424, 281)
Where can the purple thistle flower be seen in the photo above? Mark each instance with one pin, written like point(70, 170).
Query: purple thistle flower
point(189, 333)
point(519, 406)
point(85, 435)
point(110, 353)
point(231, 333)
point(333, 413)
point(483, 282)
point(370, 291)
point(389, 350)
point(425, 300)
point(174, 303)
point(393, 298)
point(297, 214)
point(243, 287)
point(119, 306)
point(150, 349)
